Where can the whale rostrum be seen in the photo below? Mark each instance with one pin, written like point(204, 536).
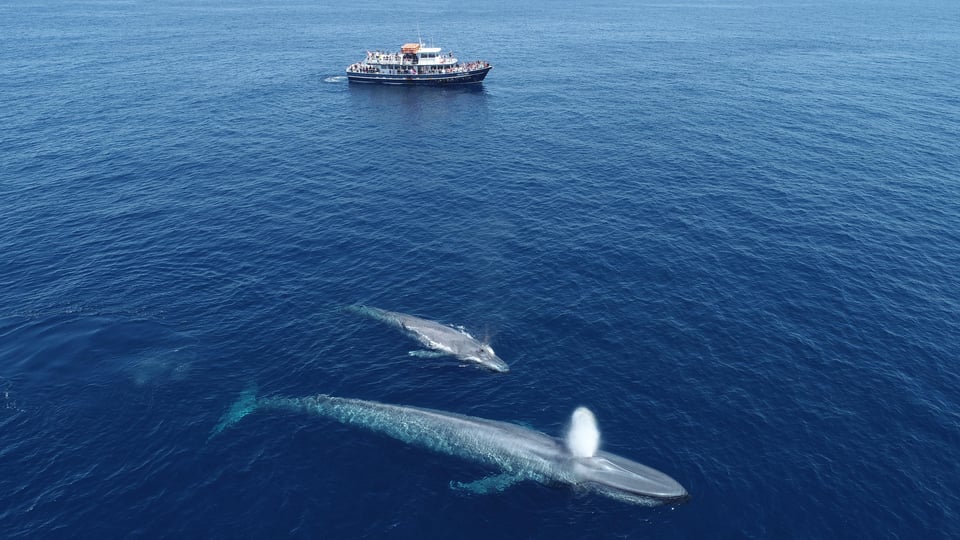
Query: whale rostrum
point(439, 338)
point(516, 453)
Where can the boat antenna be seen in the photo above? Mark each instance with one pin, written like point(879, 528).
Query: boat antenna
point(419, 39)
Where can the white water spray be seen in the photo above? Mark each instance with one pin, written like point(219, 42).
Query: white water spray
point(583, 437)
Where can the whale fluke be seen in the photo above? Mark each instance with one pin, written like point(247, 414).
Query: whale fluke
point(583, 437)
point(244, 405)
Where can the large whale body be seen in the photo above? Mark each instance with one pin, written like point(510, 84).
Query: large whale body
point(517, 453)
point(439, 337)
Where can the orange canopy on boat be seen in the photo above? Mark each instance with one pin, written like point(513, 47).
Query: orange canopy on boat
point(410, 48)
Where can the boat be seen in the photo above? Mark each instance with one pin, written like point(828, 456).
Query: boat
point(415, 64)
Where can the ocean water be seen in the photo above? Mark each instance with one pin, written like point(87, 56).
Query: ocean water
point(731, 229)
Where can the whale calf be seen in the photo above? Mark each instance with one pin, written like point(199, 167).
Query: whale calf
point(443, 339)
point(517, 453)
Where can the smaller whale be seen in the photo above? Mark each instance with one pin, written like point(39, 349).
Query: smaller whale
point(440, 338)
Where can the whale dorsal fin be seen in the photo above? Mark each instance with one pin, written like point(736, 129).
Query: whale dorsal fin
point(583, 437)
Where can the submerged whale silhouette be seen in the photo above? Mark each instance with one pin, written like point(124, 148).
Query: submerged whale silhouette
point(443, 339)
point(518, 453)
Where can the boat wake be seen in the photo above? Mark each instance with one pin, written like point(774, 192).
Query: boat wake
point(336, 79)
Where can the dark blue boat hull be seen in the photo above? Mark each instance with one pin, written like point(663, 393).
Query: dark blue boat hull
point(439, 79)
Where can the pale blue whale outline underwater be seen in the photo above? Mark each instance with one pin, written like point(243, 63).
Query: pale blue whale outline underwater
point(443, 340)
point(518, 453)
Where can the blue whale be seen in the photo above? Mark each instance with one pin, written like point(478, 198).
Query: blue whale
point(517, 453)
point(440, 338)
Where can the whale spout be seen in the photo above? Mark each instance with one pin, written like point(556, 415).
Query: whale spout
point(583, 437)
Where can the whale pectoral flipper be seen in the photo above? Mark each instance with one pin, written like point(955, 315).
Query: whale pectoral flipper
point(427, 354)
point(489, 484)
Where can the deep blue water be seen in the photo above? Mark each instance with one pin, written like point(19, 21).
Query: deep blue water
point(731, 229)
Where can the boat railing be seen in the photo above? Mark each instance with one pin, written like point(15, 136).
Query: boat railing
point(382, 58)
point(421, 69)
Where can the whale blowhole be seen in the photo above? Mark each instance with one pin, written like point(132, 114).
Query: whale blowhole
point(583, 436)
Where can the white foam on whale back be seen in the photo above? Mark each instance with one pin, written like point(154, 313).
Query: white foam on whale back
point(583, 437)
